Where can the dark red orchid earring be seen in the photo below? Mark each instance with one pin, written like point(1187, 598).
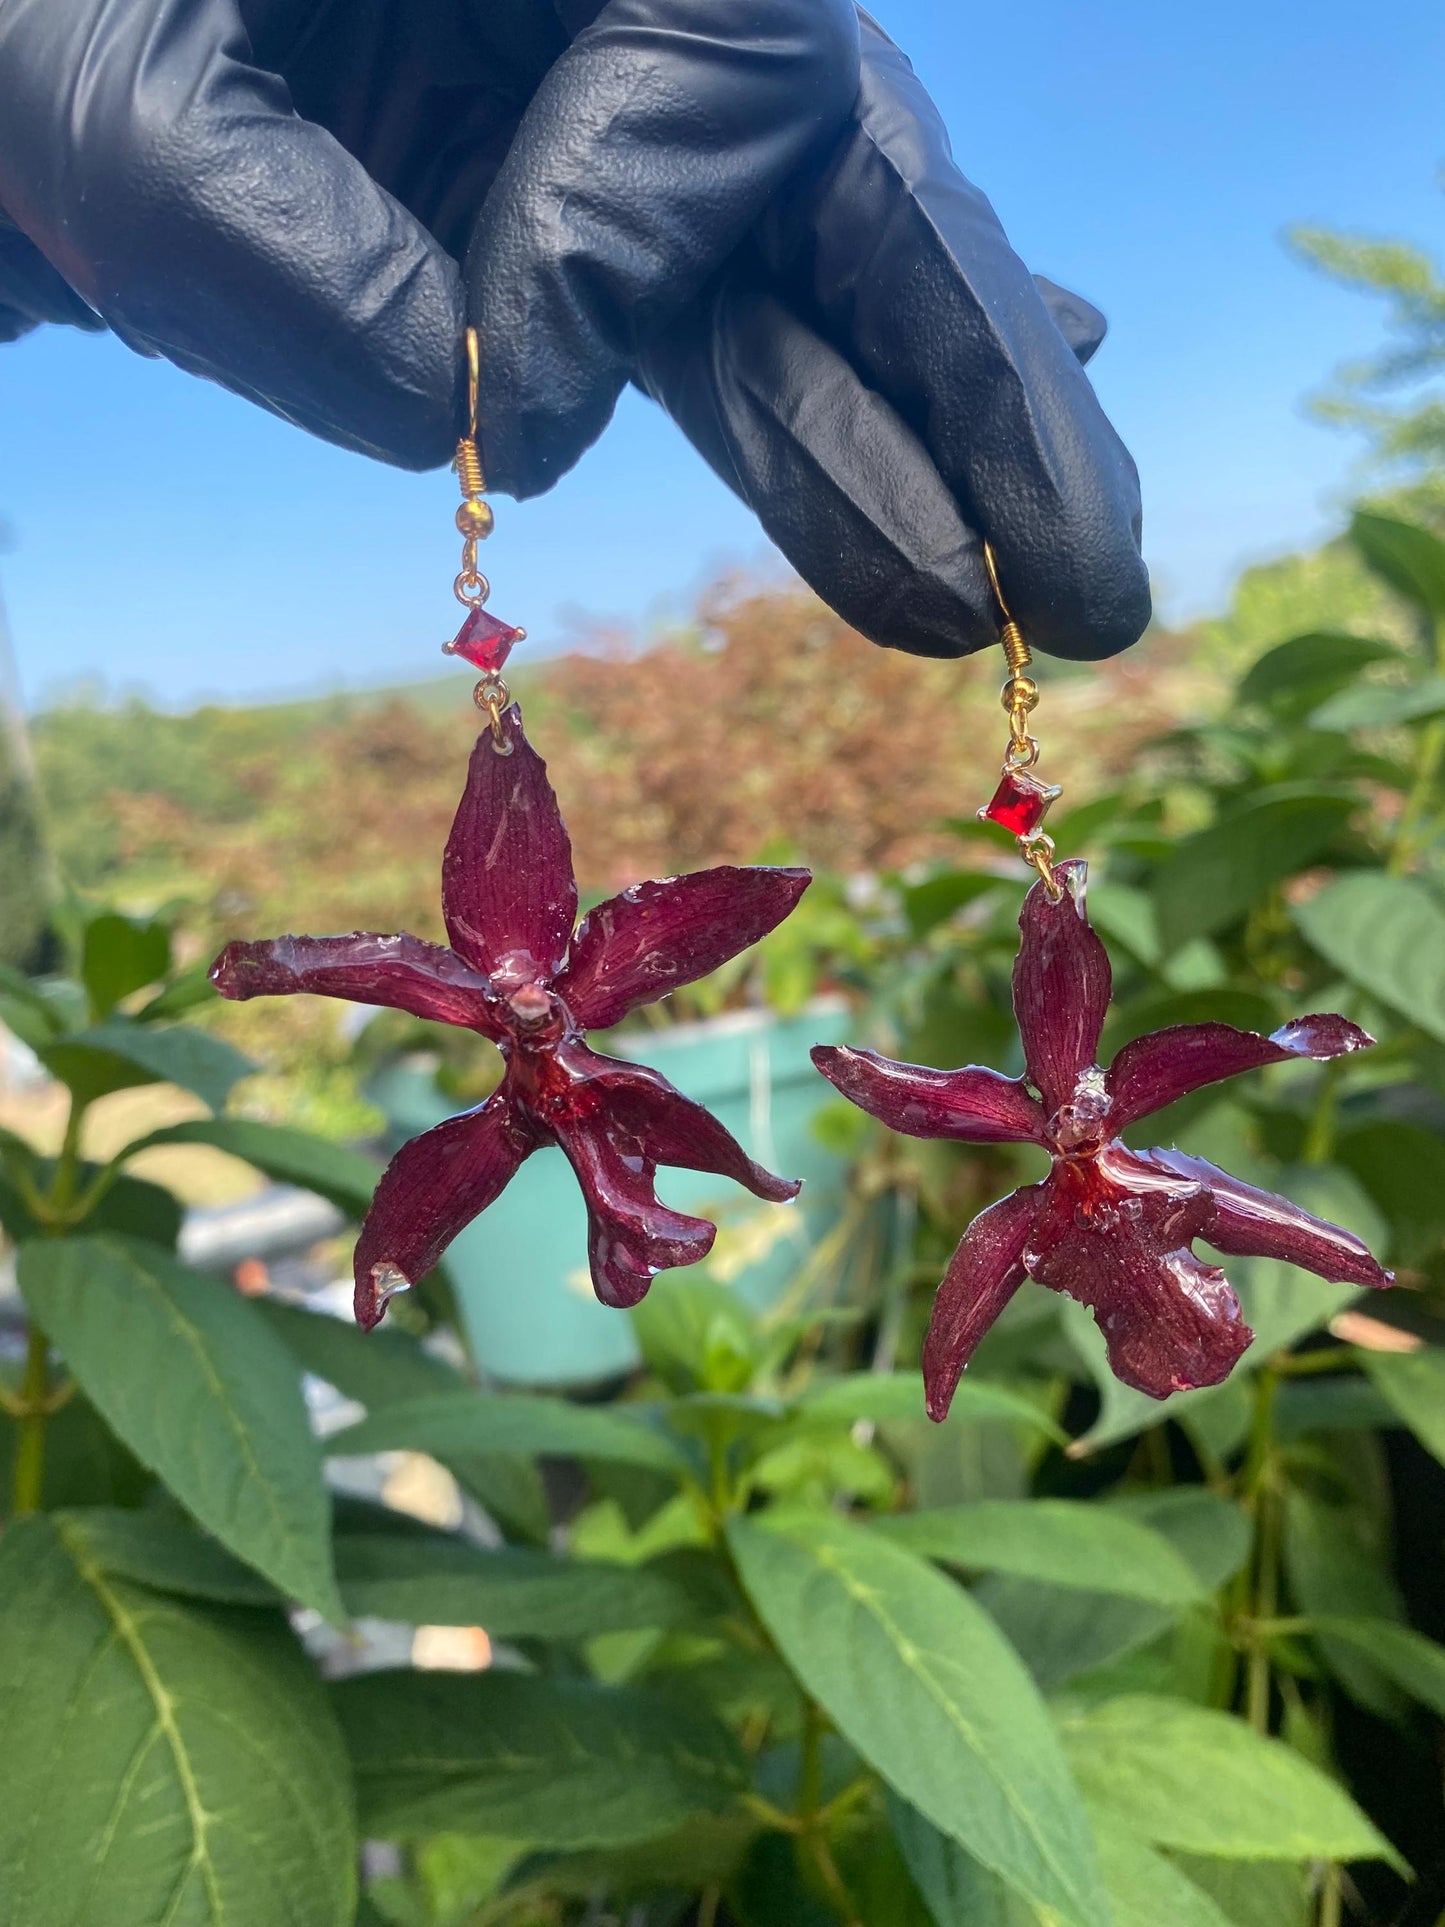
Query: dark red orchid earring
point(1111, 1227)
point(518, 973)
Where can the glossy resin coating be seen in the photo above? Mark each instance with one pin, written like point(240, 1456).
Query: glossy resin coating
point(1112, 1227)
point(519, 973)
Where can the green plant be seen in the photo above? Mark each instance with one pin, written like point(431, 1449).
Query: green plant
point(771, 1648)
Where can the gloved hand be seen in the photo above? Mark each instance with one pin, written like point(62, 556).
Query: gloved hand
point(695, 194)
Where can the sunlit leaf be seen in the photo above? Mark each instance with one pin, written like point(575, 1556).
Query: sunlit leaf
point(1408, 557)
point(119, 955)
point(921, 1683)
point(1181, 1776)
point(1063, 1542)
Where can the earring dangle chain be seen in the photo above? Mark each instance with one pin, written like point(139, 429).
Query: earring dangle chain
point(482, 640)
point(1021, 801)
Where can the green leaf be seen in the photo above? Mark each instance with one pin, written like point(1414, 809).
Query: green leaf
point(1220, 872)
point(513, 1592)
point(1402, 1167)
point(892, 1397)
point(1338, 1564)
point(162, 1550)
point(936, 898)
point(1414, 1385)
point(375, 1368)
point(1145, 1889)
point(1409, 558)
point(169, 1763)
point(1380, 705)
point(920, 1682)
point(1061, 1634)
point(1295, 675)
point(470, 1422)
point(386, 1367)
point(1416, 1664)
point(1253, 1893)
point(1063, 1542)
point(131, 1206)
point(682, 1331)
point(119, 955)
point(116, 1055)
point(187, 990)
point(555, 1762)
point(1387, 935)
point(25, 1009)
point(136, 1208)
point(1204, 1782)
point(191, 1379)
point(958, 1891)
point(345, 1177)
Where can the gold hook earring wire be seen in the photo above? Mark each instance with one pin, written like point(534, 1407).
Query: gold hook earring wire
point(474, 381)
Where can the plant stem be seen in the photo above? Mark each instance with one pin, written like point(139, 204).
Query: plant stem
point(1427, 770)
point(810, 1765)
point(1319, 1141)
point(30, 1448)
point(35, 1402)
point(67, 1165)
point(1329, 1358)
point(1332, 1897)
point(1261, 1592)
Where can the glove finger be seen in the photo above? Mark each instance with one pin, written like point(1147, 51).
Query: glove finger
point(170, 182)
point(910, 273)
point(835, 476)
point(31, 291)
point(648, 151)
point(1077, 320)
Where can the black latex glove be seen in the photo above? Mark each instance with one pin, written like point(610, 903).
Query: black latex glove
point(696, 194)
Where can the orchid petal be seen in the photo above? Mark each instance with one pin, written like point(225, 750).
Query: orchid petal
point(678, 1132)
point(508, 894)
point(640, 945)
point(400, 973)
point(974, 1105)
point(433, 1187)
point(1115, 1234)
point(1249, 1223)
point(1167, 1064)
point(1061, 986)
point(983, 1274)
point(631, 1234)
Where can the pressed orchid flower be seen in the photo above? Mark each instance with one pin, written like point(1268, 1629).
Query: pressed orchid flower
point(518, 973)
point(1110, 1226)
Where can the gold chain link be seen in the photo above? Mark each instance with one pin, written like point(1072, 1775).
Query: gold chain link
point(1019, 698)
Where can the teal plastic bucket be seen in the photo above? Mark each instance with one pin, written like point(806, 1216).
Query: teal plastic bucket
point(521, 1268)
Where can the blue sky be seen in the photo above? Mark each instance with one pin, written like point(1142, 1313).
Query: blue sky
point(169, 537)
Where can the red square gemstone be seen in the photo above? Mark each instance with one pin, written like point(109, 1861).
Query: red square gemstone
point(1020, 802)
point(483, 641)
